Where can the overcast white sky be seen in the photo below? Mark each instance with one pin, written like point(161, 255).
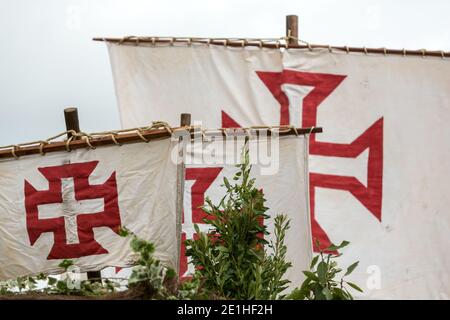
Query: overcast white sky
point(48, 61)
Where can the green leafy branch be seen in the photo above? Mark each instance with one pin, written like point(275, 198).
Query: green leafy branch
point(232, 260)
point(322, 281)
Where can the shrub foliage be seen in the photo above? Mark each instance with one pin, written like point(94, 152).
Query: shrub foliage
point(234, 260)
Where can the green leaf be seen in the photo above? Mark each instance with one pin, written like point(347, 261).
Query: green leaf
point(351, 268)
point(310, 275)
point(52, 281)
point(334, 247)
point(322, 270)
point(124, 232)
point(65, 264)
point(354, 286)
point(222, 249)
point(226, 182)
point(314, 261)
point(61, 285)
point(41, 276)
point(339, 294)
point(31, 280)
point(170, 274)
point(317, 290)
point(327, 294)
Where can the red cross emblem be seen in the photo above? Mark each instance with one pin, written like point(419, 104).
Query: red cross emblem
point(371, 140)
point(71, 208)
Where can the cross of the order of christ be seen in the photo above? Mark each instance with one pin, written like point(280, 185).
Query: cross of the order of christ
point(71, 208)
point(300, 94)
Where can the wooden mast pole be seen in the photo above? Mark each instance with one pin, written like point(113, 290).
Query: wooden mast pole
point(71, 118)
point(292, 29)
point(73, 123)
point(185, 121)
